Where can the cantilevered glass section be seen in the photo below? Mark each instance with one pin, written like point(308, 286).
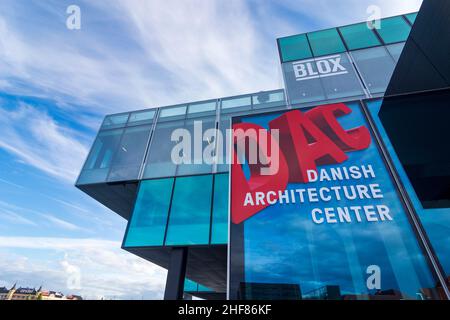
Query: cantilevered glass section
point(148, 222)
point(98, 163)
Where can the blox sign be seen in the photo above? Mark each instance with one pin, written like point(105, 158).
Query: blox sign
point(319, 67)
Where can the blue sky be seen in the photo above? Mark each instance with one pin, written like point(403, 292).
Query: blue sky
point(56, 85)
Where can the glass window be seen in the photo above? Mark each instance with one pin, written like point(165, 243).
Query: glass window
point(376, 67)
point(358, 36)
point(159, 160)
point(268, 99)
point(411, 17)
point(202, 150)
point(141, 117)
point(219, 228)
point(325, 42)
point(130, 154)
point(394, 29)
point(99, 160)
point(172, 113)
point(208, 107)
point(243, 103)
point(115, 121)
point(294, 48)
point(149, 219)
point(302, 90)
point(342, 83)
point(395, 50)
point(190, 214)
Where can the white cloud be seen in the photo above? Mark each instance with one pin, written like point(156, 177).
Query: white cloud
point(105, 270)
point(38, 140)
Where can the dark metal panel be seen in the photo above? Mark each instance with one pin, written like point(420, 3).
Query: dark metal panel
point(425, 61)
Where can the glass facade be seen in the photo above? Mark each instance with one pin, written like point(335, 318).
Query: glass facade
point(219, 229)
point(285, 251)
point(190, 214)
point(281, 253)
point(350, 37)
point(426, 188)
point(97, 164)
point(148, 222)
point(394, 29)
point(375, 66)
point(180, 211)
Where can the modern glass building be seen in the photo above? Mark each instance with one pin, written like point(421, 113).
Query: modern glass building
point(363, 228)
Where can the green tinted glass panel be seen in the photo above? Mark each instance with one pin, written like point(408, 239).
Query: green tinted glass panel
point(294, 48)
point(411, 17)
point(219, 231)
point(149, 219)
point(359, 36)
point(326, 42)
point(394, 29)
point(190, 213)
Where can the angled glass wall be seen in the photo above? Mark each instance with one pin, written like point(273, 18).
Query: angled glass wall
point(98, 163)
point(148, 222)
point(191, 210)
point(190, 213)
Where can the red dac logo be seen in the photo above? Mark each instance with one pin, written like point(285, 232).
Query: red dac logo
point(306, 140)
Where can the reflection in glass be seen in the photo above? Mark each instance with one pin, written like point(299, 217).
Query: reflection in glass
point(115, 121)
point(201, 159)
point(141, 117)
point(396, 50)
point(268, 99)
point(241, 103)
point(219, 228)
point(99, 160)
point(394, 29)
point(159, 160)
point(376, 67)
point(294, 48)
point(130, 154)
point(326, 42)
point(333, 260)
point(358, 36)
point(190, 214)
point(342, 85)
point(436, 221)
point(149, 218)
